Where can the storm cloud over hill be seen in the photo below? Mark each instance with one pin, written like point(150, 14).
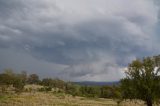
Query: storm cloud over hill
point(77, 40)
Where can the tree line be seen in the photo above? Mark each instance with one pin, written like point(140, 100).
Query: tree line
point(142, 82)
point(10, 79)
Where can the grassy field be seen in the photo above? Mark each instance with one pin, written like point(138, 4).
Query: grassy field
point(50, 99)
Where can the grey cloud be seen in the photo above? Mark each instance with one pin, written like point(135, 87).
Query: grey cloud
point(19, 60)
point(85, 43)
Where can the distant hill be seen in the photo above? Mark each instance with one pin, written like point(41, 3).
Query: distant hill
point(93, 83)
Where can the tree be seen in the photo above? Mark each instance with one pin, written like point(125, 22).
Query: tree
point(47, 82)
point(8, 78)
point(72, 89)
point(18, 83)
point(59, 83)
point(5, 81)
point(33, 79)
point(142, 81)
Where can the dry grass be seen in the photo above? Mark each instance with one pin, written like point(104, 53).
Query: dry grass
point(50, 99)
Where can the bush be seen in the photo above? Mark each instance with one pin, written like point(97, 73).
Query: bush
point(45, 89)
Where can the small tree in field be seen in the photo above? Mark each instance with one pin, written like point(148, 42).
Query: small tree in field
point(142, 81)
point(33, 79)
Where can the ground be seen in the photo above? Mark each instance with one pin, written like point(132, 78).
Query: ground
point(57, 99)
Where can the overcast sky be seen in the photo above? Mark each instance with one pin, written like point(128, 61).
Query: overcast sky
point(77, 40)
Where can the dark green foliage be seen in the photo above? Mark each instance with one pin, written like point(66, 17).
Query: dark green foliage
point(33, 79)
point(5, 81)
point(53, 83)
point(18, 83)
point(46, 89)
point(93, 91)
point(47, 82)
point(110, 92)
point(59, 83)
point(8, 78)
point(142, 82)
point(106, 92)
point(90, 91)
point(72, 89)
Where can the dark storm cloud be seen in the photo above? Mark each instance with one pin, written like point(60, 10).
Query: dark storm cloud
point(91, 43)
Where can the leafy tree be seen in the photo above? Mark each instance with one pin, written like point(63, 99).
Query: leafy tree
point(5, 81)
point(72, 89)
point(33, 79)
point(18, 83)
point(8, 78)
point(54, 83)
point(106, 92)
point(142, 81)
point(59, 84)
point(89, 91)
point(47, 82)
point(110, 92)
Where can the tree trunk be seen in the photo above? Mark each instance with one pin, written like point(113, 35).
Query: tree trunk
point(149, 102)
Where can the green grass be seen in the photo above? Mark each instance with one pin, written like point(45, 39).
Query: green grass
point(4, 97)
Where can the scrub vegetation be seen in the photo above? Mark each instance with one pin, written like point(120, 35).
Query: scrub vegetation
point(141, 86)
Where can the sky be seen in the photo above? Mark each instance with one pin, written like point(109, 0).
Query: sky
point(77, 40)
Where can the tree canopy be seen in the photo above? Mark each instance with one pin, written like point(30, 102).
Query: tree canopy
point(142, 81)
